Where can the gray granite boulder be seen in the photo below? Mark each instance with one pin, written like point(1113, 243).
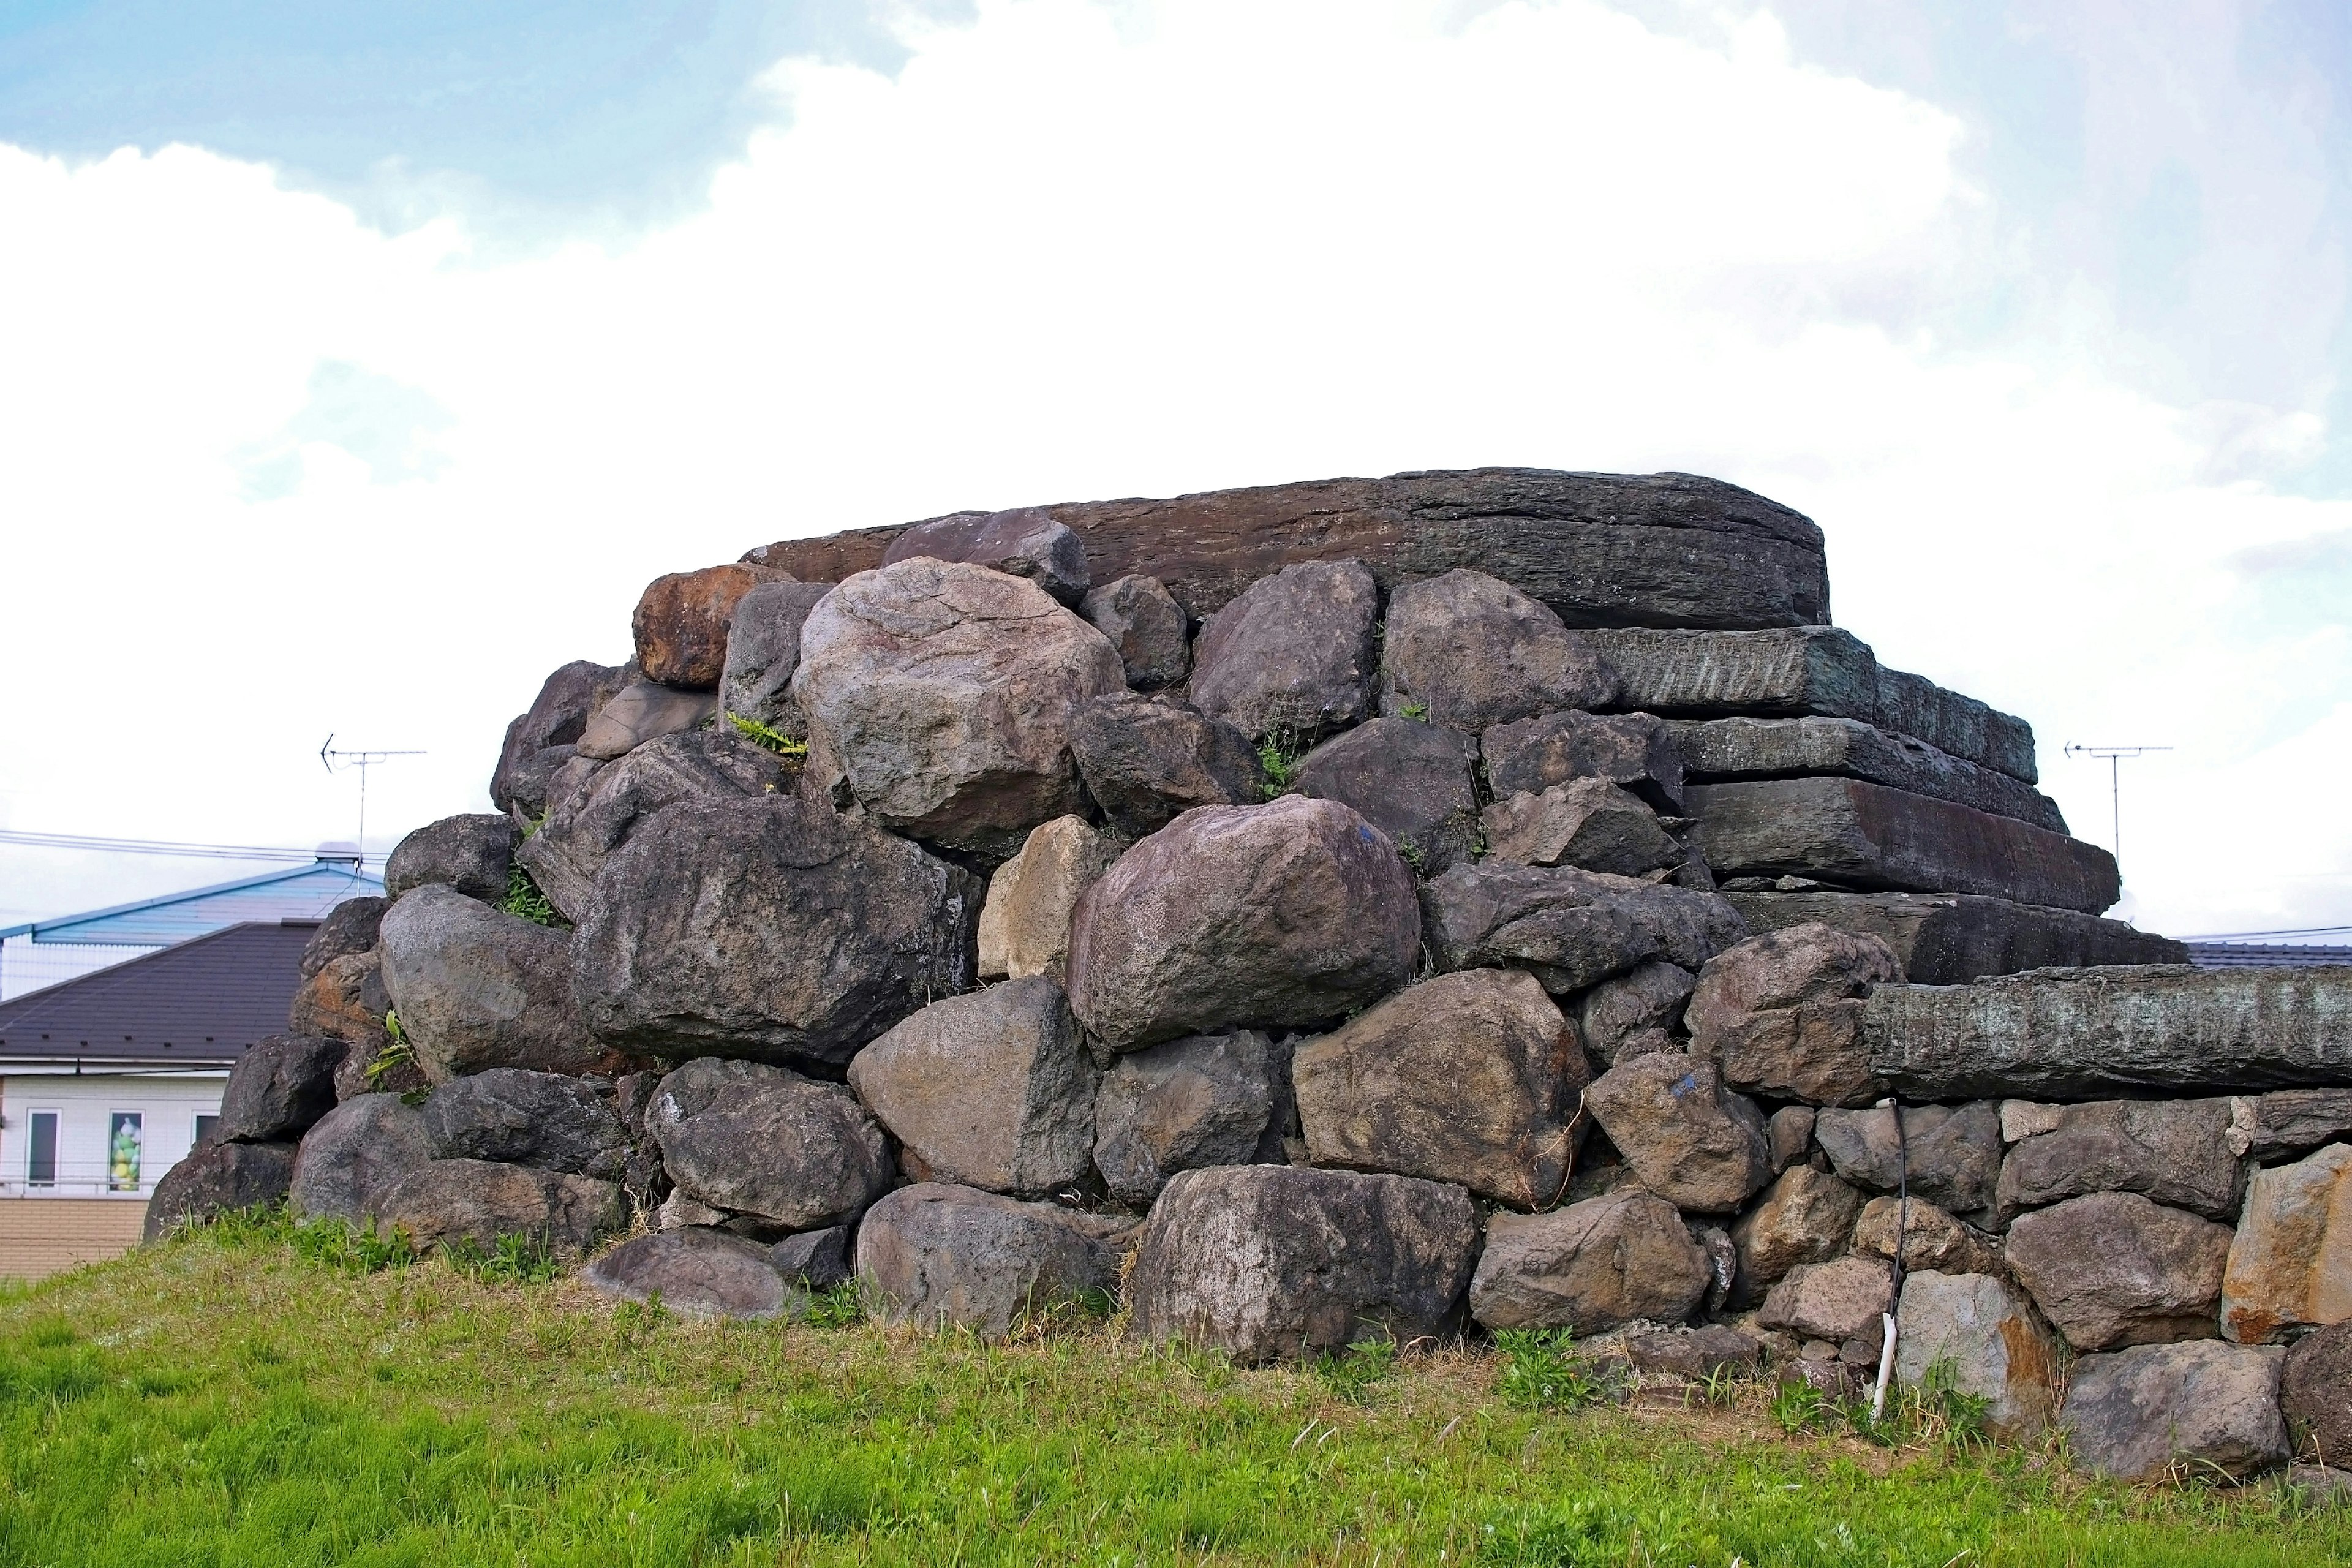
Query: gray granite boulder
point(757, 1140)
point(476, 987)
point(544, 738)
point(1635, 750)
point(1837, 1301)
point(1782, 1013)
point(1025, 924)
point(1206, 1099)
point(1148, 626)
point(1928, 1237)
point(469, 853)
point(1590, 824)
point(215, 1179)
point(948, 1257)
point(764, 652)
point(1414, 782)
point(1025, 543)
point(695, 1272)
point(2113, 1269)
point(1293, 654)
point(541, 1118)
point(1469, 651)
point(278, 1089)
point(1148, 760)
point(1952, 1153)
point(1637, 1014)
point(2153, 1411)
point(1978, 1336)
point(1588, 1267)
point(641, 711)
point(2175, 1151)
point(356, 1154)
point(815, 1260)
point(1571, 928)
point(1687, 1138)
point(482, 1202)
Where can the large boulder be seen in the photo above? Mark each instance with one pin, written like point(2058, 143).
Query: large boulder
point(543, 739)
point(816, 1260)
point(1782, 1013)
point(541, 1119)
point(1206, 1099)
point(1266, 1262)
point(1930, 1238)
point(2315, 1392)
point(1636, 1014)
point(1634, 750)
point(1688, 1138)
point(1148, 627)
point(759, 1139)
point(1838, 1301)
point(764, 652)
point(1024, 542)
point(1472, 1079)
point(949, 1256)
point(469, 853)
point(278, 1089)
point(481, 1202)
point(1416, 782)
point(355, 1154)
point(1593, 1266)
point(1292, 654)
point(2114, 1269)
point(1716, 750)
point(1950, 939)
point(1591, 824)
point(1951, 1153)
point(350, 928)
point(1148, 760)
point(695, 1272)
point(992, 1090)
point(773, 928)
point(2291, 1263)
point(640, 712)
point(939, 696)
point(215, 1179)
point(681, 620)
point(1025, 925)
point(476, 987)
point(1571, 928)
point(1469, 651)
point(1805, 1217)
point(2155, 1411)
point(1979, 1336)
point(2175, 1151)
point(1287, 913)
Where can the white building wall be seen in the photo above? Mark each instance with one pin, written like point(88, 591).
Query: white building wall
point(166, 1103)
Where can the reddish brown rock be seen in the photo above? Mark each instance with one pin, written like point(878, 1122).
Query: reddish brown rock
point(1782, 1013)
point(1805, 1217)
point(1590, 1266)
point(680, 624)
point(2291, 1262)
point(2114, 1270)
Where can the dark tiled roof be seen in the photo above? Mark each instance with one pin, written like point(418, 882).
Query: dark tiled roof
point(198, 1003)
point(2255, 955)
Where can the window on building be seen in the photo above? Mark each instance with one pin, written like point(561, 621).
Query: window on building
point(206, 1126)
point(126, 1131)
point(41, 1158)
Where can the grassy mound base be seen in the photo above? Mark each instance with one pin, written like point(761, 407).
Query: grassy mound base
point(247, 1395)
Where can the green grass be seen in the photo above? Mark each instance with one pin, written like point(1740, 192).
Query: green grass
point(244, 1396)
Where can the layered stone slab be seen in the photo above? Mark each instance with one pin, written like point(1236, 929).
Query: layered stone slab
point(1717, 751)
point(1950, 939)
point(1602, 550)
point(2107, 1033)
point(1799, 671)
point(1869, 837)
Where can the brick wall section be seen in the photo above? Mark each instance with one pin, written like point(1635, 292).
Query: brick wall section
point(39, 1237)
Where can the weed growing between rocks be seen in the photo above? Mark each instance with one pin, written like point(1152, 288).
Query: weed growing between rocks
point(525, 901)
point(398, 1054)
point(1539, 1370)
point(768, 737)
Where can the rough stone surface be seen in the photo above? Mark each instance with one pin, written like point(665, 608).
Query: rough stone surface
point(350, 928)
point(1146, 625)
point(1837, 1301)
point(2094, 1034)
point(218, 1178)
point(1951, 1153)
point(1292, 654)
point(478, 988)
point(1950, 939)
point(280, 1086)
point(818, 1259)
point(2315, 1394)
point(1805, 1217)
point(1414, 782)
point(1666, 549)
point(697, 1272)
point(541, 1118)
point(992, 1090)
point(1571, 928)
point(2290, 1122)
point(2175, 1151)
point(344, 1001)
point(759, 1139)
point(1782, 1014)
point(1867, 836)
point(1209, 1099)
point(681, 622)
point(2291, 1263)
point(1717, 751)
point(481, 1202)
point(1025, 543)
point(1636, 1014)
point(1146, 760)
point(1285, 914)
point(773, 929)
point(950, 1257)
point(1470, 1077)
point(1695, 1353)
point(2113, 1268)
point(1591, 824)
point(1590, 1266)
point(763, 653)
point(1635, 750)
point(1689, 1139)
point(468, 853)
point(2203, 1406)
point(939, 696)
point(640, 712)
point(545, 738)
point(1988, 1339)
point(1266, 1262)
point(1469, 651)
point(353, 1156)
point(2320, 1486)
point(1931, 1237)
point(1789, 1131)
point(1025, 925)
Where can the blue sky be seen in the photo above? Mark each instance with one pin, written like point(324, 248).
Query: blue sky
point(416, 338)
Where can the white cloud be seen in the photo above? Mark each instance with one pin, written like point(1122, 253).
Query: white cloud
point(1070, 251)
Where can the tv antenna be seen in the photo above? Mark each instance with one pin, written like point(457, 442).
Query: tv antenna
point(339, 761)
point(2114, 756)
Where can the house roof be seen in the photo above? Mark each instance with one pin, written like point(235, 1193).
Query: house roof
point(2260, 956)
point(195, 1005)
point(298, 893)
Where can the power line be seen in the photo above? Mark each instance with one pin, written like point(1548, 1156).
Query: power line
point(163, 846)
point(2250, 935)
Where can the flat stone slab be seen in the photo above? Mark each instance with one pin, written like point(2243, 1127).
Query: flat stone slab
point(1950, 939)
point(2105, 1033)
point(1714, 750)
point(1602, 550)
point(1868, 837)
